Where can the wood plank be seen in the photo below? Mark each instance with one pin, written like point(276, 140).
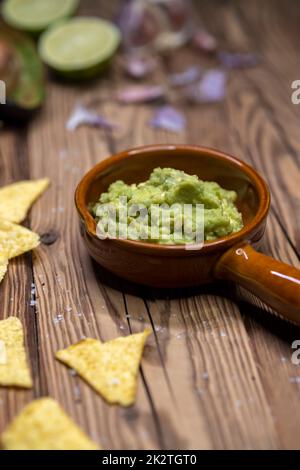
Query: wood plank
point(267, 90)
point(184, 337)
point(207, 379)
point(280, 55)
point(15, 290)
point(261, 133)
point(70, 302)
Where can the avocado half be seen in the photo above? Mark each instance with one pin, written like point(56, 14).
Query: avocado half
point(22, 72)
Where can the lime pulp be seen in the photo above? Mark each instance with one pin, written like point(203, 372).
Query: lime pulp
point(36, 15)
point(79, 44)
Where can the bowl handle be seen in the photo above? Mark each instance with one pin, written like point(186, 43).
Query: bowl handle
point(276, 283)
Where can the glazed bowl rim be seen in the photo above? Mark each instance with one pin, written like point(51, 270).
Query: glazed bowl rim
point(245, 233)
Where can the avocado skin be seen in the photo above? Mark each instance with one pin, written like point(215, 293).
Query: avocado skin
point(13, 114)
point(26, 89)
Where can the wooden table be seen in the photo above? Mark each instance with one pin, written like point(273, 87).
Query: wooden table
point(217, 373)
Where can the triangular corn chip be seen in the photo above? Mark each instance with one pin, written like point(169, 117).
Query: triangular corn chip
point(110, 368)
point(17, 198)
point(43, 425)
point(16, 240)
point(3, 267)
point(3, 353)
point(14, 370)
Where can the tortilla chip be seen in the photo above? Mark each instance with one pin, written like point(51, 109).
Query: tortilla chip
point(43, 425)
point(14, 370)
point(3, 267)
point(16, 199)
point(16, 240)
point(110, 368)
point(3, 354)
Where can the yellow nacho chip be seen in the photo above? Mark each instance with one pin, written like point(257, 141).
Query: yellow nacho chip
point(110, 368)
point(14, 370)
point(43, 425)
point(16, 199)
point(3, 267)
point(3, 355)
point(16, 240)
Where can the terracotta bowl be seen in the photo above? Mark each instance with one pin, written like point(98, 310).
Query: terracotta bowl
point(232, 257)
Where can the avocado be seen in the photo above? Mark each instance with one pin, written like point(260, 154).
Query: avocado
point(167, 209)
point(22, 72)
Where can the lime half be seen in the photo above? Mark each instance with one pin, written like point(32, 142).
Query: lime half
point(79, 47)
point(36, 15)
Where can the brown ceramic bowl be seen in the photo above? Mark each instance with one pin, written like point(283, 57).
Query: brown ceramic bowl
point(232, 257)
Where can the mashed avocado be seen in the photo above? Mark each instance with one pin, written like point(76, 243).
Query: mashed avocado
point(153, 198)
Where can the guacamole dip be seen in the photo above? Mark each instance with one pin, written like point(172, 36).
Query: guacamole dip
point(135, 209)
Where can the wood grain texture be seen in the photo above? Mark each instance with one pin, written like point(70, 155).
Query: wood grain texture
point(217, 372)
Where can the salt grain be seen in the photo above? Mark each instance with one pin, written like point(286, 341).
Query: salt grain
point(115, 381)
point(77, 393)
point(58, 319)
point(199, 391)
point(180, 335)
point(63, 154)
point(33, 301)
point(58, 210)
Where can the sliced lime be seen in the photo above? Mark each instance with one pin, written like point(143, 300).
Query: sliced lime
point(36, 15)
point(79, 47)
